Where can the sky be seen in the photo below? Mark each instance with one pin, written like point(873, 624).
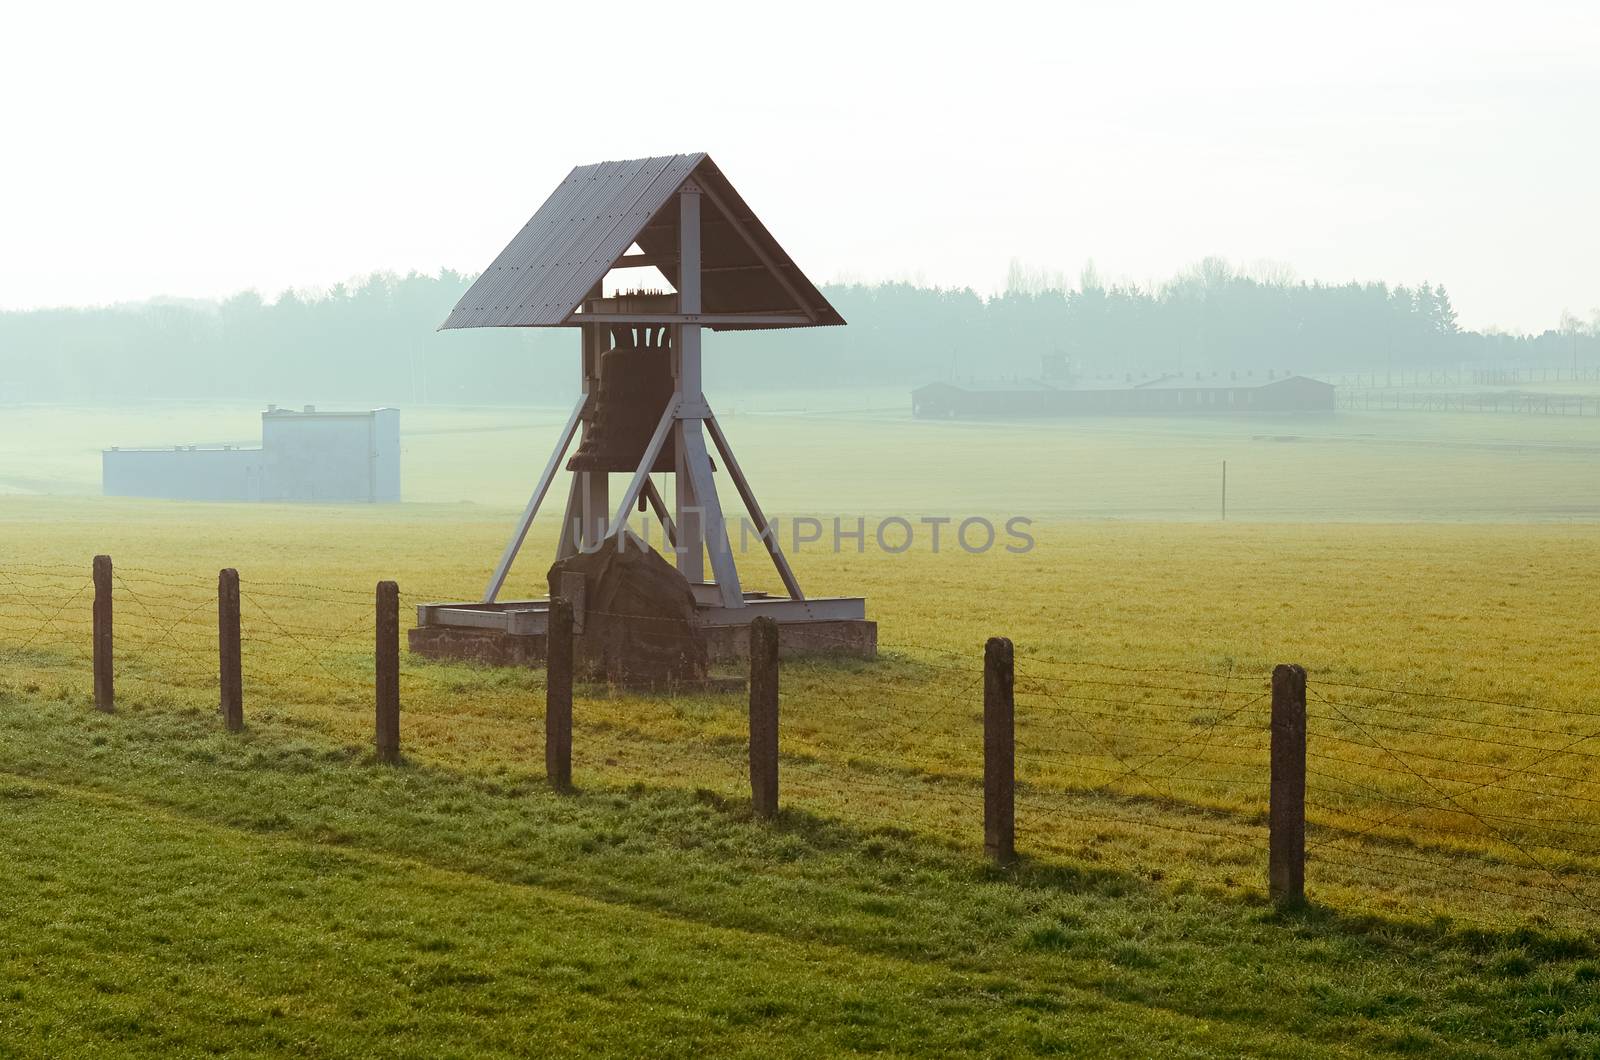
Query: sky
point(194, 150)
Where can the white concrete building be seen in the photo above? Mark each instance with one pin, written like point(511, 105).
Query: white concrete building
point(304, 456)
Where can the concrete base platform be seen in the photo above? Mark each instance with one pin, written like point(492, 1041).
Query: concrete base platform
point(857, 638)
point(513, 633)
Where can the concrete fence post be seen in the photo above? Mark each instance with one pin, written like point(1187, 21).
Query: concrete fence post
point(1286, 862)
point(558, 666)
point(387, 677)
point(764, 716)
point(229, 662)
point(999, 751)
point(104, 694)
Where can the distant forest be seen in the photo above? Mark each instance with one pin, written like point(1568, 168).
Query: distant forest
point(375, 342)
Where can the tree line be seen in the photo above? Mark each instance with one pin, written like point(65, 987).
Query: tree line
point(375, 342)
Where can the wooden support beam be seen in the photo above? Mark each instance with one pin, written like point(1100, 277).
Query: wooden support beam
point(689, 507)
point(761, 253)
point(718, 547)
point(703, 319)
point(639, 261)
point(568, 543)
point(689, 551)
point(647, 463)
point(594, 487)
point(668, 226)
point(659, 506)
point(498, 580)
point(746, 494)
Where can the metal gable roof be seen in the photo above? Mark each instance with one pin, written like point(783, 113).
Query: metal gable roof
point(1214, 382)
point(569, 243)
point(597, 213)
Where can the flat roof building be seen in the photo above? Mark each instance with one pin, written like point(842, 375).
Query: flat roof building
point(303, 456)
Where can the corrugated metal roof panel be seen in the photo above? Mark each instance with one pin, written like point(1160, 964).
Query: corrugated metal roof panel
point(569, 243)
point(592, 218)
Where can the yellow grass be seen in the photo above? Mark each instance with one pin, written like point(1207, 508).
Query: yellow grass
point(1115, 762)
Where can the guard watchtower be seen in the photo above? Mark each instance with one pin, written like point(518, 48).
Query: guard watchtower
point(642, 409)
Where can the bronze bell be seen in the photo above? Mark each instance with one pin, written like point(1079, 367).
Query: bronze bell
point(634, 388)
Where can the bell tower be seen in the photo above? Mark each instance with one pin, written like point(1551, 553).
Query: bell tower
point(643, 410)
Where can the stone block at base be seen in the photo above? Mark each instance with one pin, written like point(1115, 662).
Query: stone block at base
point(490, 647)
point(855, 637)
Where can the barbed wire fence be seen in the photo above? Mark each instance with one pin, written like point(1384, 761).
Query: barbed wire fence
point(909, 733)
point(45, 626)
point(1480, 402)
point(1430, 802)
point(1505, 375)
point(1417, 781)
point(1109, 754)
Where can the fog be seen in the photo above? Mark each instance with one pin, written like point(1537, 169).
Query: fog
point(301, 145)
point(1396, 198)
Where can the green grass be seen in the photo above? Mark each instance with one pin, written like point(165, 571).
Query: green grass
point(176, 891)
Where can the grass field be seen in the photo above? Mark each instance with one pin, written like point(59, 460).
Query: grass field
point(864, 455)
point(179, 890)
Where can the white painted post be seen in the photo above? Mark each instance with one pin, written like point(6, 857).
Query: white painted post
point(701, 526)
point(594, 487)
point(690, 393)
